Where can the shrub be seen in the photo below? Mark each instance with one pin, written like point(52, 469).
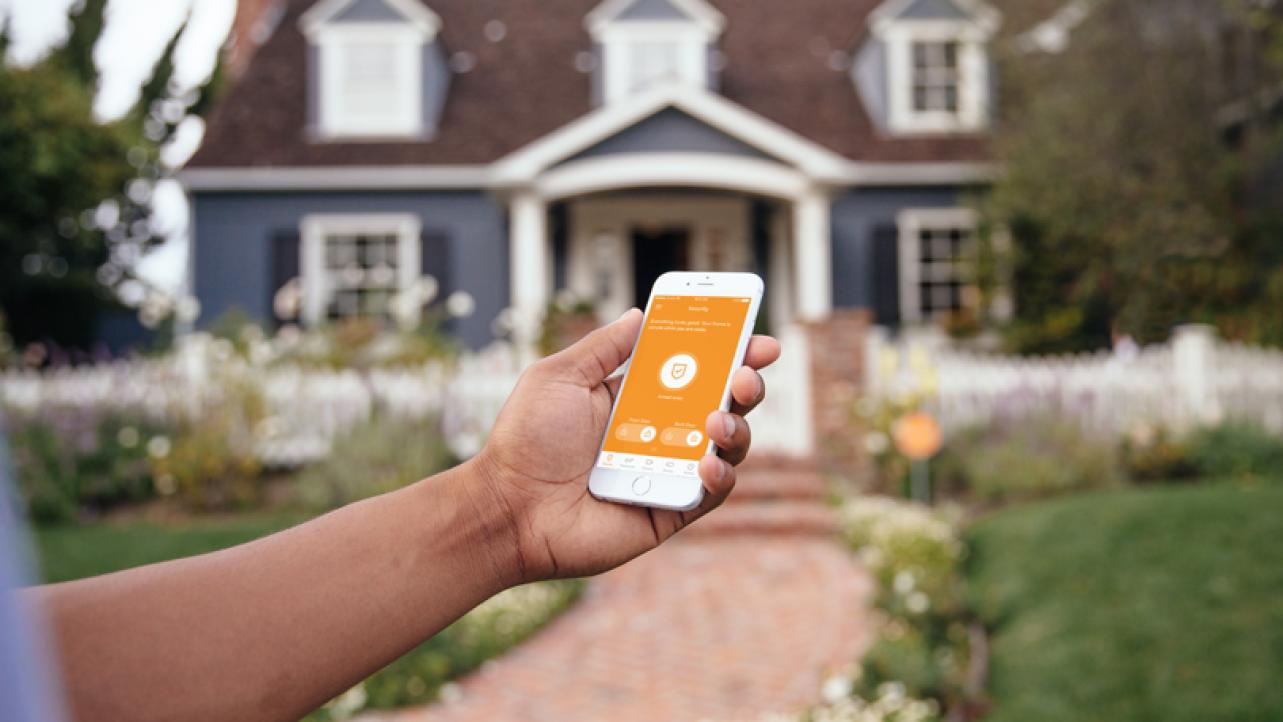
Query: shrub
point(923, 645)
point(378, 456)
point(1032, 459)
point(1158, 455)
point(211, 463)
point(1238, 450)
point(69, 463)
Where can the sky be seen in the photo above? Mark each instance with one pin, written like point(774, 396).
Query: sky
point(135, 36)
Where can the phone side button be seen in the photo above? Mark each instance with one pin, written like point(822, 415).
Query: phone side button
point(641, 485)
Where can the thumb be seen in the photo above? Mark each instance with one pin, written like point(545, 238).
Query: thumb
point(598, 354)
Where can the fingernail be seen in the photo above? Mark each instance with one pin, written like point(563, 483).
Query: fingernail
point(625, 313)
point(728, 425)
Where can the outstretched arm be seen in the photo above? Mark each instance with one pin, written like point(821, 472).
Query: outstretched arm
point(272, 629)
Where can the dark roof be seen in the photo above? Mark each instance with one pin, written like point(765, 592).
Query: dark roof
point(778, 64)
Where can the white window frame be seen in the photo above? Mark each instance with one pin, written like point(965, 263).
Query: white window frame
point(332, 42)
point(618, 39)
point(973, 76)
point(910, 223)
point(315, 228)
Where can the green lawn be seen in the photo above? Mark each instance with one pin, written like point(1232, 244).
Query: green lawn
point(73, 552)
point(1152, 604)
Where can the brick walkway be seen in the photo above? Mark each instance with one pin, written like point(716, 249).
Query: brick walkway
point(742, 614)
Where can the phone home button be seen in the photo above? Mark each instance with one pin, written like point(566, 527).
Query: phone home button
point(641, 485)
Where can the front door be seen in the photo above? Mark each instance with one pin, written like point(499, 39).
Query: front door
point(656, 251)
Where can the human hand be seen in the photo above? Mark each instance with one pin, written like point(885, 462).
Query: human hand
point(536, 463)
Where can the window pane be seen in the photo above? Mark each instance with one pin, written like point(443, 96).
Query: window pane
point(652, 62)
point(371, 81)
point(362, 273)
point(935, 76)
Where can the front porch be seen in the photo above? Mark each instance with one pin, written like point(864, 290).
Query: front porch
point(607, 247)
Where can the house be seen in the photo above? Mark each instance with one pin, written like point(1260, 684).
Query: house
point(519, 149)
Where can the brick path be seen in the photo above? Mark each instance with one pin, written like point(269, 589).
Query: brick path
point(739, 615)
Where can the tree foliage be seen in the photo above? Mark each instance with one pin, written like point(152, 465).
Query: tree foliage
point(75, 191)
point(1136, 176)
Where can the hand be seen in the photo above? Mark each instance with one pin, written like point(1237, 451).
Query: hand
point(545, 442)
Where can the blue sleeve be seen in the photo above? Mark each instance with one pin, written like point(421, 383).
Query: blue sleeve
point(26, 662)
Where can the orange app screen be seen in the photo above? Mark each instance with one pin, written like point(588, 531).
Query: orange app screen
point(677, 376)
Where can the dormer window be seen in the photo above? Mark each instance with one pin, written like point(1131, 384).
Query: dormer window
point(368, 67)
point(935, 59)
point(935, 77)
point(647, 43)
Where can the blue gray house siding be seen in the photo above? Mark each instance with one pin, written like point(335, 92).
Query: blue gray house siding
point(862, 219)
point(670, 131)
point(234, 232)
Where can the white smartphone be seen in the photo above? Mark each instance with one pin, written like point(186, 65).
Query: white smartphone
point(694, 336)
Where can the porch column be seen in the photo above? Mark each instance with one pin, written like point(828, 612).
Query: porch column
point(814, 256)
point(530, 263)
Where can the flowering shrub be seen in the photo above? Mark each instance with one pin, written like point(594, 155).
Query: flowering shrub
point(1034, 458)
point(909, 383)
point(917, 669)
point(378, 456)
point(889, 704)
point(69, 464)
point(424, 674)
point(912, 550)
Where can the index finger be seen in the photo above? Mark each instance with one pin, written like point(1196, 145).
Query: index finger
point(762, 352)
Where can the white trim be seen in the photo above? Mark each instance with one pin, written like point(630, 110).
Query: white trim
point(706, 170)
point(910, 222)
point(415, 13)
point(619, 40)
point(914, 174)
point(334, 116)
point(313, 229)
point(813, 251)
point(470, 177)
point(981, 14)
point(973, 78)
point(522, 166)
point(701, 13)
point(410, 177)
point(530, 261)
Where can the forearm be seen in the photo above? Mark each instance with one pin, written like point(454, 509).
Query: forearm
point(271, 629)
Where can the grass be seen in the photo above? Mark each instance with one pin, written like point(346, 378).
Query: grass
point(1142, 605)
point(74, 552)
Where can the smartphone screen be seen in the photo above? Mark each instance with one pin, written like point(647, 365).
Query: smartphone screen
point(677, 376)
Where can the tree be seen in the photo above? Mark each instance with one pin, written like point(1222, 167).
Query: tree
point(56, 165)
point(75, 192)
point(1132, 203)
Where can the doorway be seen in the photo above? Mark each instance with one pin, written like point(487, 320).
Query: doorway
point(656, 251)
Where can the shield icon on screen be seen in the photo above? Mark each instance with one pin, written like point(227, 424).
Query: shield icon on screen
point(678, 371)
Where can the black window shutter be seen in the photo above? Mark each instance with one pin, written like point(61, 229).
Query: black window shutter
point(285, 266)
point(886, 274)
point(434, 260)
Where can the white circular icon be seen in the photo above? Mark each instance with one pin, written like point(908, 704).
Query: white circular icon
point(678, 371)
point(648, 434)
point(693, 438)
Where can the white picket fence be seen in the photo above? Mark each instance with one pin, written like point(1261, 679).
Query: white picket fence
point(1193, 379)
point(308, 407)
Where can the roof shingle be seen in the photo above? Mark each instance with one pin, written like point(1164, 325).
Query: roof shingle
point(778, 64)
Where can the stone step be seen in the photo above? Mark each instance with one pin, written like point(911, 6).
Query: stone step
point(759, 485)
point(775, 462)
point(778, 518)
